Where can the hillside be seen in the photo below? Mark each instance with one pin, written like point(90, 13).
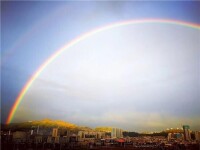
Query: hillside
point(103, 129)
point(52, 123)
point(45, 123)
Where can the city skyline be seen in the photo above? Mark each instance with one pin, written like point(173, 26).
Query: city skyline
point(115, 132)
point(64, 138)
point(101, 64)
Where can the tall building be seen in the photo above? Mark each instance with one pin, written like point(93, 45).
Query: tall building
point(55, 132)
point(31, 132)
point(197, 135)
point(116, 133)
point(38, 130)
point(169, 136)
point(113, 133)
point(186, 130)
point(119, 133)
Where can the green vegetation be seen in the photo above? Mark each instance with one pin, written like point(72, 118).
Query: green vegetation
point(163, 133)
point(130, 134)
point(103, 129)
point(53, 123)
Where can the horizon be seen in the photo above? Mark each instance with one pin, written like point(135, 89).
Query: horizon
point(93, 128)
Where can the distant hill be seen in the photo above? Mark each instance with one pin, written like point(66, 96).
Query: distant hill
point(52, 123)
point(45, 123)
point(103, 129)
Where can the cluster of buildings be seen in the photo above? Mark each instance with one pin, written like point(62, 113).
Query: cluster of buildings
point(54, 135)
point(56, 138)
point(184, 135)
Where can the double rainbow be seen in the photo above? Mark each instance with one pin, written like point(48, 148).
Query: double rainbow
point(76, 41)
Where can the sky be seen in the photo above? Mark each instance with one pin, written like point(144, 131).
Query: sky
point(136, 77)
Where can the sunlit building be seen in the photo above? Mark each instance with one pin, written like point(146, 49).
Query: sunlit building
point(55, 132)
point(116, 133)
point(169, 136)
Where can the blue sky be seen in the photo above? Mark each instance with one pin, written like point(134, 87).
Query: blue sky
point(32, 31)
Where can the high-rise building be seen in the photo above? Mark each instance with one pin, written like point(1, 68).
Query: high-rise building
point(187, 135)
point(119, 133)
point(55, 132)
point(116, 133)
point(38, 130)
point(31, 132)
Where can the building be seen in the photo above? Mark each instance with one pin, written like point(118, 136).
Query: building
point(19, 136)
point(49, 139)
point(55, 132)
point(116, 133)
point(90, 135)
point(101, 135)
point(169, 136)
point(174, 136)
point(57, 139)
point(113, 133)
point(187, 132)
point(197, 135)
point(31, 132)
point(38, 139)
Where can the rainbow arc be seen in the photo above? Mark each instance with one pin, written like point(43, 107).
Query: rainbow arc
point(76, 41)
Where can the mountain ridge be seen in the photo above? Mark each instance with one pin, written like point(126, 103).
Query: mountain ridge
point(49, 123)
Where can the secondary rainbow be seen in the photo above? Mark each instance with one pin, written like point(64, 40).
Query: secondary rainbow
point(76, 41)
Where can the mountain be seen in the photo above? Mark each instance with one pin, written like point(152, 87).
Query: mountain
point(52, 123)
point(45, 123)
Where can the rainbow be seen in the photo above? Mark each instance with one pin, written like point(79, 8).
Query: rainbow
point(76, 41)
